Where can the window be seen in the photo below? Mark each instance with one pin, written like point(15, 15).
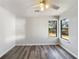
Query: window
point(65, 29)
point(52, 28)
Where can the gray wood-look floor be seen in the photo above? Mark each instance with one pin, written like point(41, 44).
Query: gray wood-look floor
point(37, 52)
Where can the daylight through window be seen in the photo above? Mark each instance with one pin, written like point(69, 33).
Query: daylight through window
point(52, 27)
point(65, 28)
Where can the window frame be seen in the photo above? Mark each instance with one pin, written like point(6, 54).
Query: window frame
point(61, 29)
point(56, 28)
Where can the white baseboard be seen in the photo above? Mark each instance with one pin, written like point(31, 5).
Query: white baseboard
point(7, 51)
point(69, 51)
point(33, 44)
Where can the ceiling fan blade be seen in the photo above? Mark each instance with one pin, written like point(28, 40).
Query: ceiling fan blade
point(55, 7)
point(35, 6)
point(36, 10)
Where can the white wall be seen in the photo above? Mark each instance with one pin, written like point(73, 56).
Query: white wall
point(36, 32)
point(72, 44)
point(7, 31)
point(20, 29)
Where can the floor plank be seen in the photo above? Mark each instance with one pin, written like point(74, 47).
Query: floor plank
point(37, 52)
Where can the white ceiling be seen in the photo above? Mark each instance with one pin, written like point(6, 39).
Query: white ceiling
point(23, 8)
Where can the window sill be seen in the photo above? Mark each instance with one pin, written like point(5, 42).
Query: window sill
point(65, 40)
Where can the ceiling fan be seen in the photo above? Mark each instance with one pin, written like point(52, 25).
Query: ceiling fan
point(45, 4)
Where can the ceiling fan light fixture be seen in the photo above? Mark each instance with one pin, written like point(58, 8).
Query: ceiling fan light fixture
point(42, 8)
point(41, 5)
point(44, 4)
point(47, 6)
